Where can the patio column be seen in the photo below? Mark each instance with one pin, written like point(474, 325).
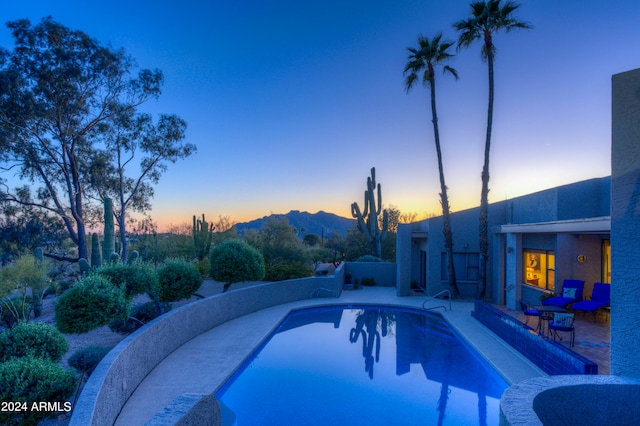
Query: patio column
point(625, 223)
point(403, 260)
point(513, 273)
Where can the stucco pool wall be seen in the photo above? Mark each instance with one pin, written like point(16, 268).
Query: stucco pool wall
point(572, 400)
point(122, 370)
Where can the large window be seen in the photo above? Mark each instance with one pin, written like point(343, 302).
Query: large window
point(539, 268)
point(467, 266)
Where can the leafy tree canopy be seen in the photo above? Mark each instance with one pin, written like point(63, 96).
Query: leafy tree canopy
point(64, 98)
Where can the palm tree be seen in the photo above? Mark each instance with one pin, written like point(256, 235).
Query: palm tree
point(423, 60)
point(487, 17)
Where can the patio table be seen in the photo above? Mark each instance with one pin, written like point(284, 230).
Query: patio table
point(547, 315)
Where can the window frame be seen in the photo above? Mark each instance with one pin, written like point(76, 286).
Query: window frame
point(549, 267)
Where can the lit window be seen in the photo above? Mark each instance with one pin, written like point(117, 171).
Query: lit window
point(539, 268)
point(606, 261)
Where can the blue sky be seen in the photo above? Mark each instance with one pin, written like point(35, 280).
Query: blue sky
point(292, 102)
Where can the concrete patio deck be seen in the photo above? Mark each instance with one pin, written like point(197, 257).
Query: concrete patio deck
point(204, 363)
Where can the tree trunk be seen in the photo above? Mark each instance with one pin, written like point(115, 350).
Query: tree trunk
point(444, 198)
point(484, 195)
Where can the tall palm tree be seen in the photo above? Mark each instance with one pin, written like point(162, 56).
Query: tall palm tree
point(487, 18)
point(421, 66)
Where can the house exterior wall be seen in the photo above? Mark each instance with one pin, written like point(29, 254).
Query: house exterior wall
point(625, 223)
point(581, 200)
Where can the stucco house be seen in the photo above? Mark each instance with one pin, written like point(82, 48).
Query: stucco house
point(536, 241)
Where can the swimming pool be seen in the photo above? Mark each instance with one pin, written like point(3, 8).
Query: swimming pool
point(362, 365)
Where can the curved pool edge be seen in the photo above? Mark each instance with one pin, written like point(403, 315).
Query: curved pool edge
point(572, 399)
point(158, 378)
point(122, 370)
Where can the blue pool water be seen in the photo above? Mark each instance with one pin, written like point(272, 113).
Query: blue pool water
point(362, 365)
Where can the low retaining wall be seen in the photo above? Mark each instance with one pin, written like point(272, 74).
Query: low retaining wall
point(550, 356)
point(572, 400)
point(122, 370)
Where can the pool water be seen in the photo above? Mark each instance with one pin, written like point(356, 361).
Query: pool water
point(362, 365)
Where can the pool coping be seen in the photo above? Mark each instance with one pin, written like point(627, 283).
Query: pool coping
point(217, 353)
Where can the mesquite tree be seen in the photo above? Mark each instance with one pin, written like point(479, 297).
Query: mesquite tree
point(59, 90)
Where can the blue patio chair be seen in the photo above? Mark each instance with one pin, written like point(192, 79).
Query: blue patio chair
point(564, 323)
point(529, 312)
point(571, 292)
point(600, 297)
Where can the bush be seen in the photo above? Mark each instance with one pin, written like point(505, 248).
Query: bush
point(15, 309)
point(92, 302)
point(178, 279)
point(29, 276)
point(235, 261)
point(369, 258)
point(140, 315)
point(86, 360)
point(136, 277)
point(37, 340)
point(288, 271)
point(370, 282)
point(149, 311)
point(124, 325)
point(29, 380)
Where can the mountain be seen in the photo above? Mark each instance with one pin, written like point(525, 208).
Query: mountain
point(312, 223)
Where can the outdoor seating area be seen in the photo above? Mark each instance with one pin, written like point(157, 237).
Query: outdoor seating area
point(600, 299)
point(588, 338)
point(570, 292)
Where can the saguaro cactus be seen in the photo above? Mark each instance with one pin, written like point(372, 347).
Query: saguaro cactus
point(202, 236)
point(368, 220)
point(96, 259)
point(109, 243)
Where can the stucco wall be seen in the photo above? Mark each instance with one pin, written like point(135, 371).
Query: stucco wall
point(384, 273)
point(625, 223)
point(120, 372)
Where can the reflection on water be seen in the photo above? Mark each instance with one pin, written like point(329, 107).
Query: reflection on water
point(310, 372)
point(368, 322)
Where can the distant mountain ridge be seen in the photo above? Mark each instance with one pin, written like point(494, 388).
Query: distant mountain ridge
point(311, 223)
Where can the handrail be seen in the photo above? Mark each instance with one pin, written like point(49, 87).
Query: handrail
point(429, 298)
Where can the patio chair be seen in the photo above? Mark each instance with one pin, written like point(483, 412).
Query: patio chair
point(600, 297)
point(571, 292)
point(564, 323)
point(529, 312)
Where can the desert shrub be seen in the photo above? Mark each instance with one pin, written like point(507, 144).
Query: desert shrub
point(28, 380)
point(369, 258)
point(37, 340)
point(28, 275)
point(370, 282)
point(85, 360)
point(235, 261)
point(288, 271)
point(92, 302)
point(15, 309)
point(140, 315)
point(136, 277)
point(178, 279)
point(204, 266)
point(149, 311)
point(62, 286)
point(124, 325)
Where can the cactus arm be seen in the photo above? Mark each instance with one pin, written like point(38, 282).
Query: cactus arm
point(109, 243)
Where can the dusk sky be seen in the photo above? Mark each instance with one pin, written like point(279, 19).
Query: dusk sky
point(290, 103)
